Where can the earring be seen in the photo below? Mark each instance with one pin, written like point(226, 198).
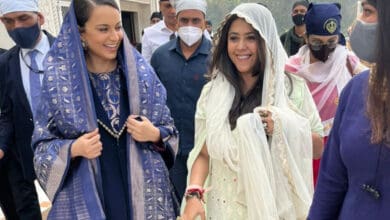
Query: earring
point(84, 45)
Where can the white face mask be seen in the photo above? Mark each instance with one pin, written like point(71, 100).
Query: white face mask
point(190, 35)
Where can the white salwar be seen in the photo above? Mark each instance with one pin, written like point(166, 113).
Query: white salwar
point(252, 177)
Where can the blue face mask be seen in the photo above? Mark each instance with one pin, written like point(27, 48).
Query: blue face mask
point(25, 37)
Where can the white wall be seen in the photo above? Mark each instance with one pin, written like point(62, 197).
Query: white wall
point(52, 11)
point(5, 41)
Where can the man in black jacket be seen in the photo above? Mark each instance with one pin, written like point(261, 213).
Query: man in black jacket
point(293, 39)
point(20, 80)
point(6, 199)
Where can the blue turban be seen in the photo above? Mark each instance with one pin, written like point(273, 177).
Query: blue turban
point(323, 19)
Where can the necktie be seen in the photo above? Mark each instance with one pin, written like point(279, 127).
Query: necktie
point(172, 36)
point(35, 82)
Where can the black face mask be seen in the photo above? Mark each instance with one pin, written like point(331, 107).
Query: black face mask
point(26, 37)
point(321, 54)
point(298, 19)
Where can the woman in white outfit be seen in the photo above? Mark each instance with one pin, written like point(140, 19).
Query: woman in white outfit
point(252, 153)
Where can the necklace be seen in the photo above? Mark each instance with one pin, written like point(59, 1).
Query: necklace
point(116, 135)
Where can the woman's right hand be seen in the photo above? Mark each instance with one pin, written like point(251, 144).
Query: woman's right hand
point(88, 145)
point(194, 207)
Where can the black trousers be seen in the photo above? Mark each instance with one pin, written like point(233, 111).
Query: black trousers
point(7, 203)
point(23, 190)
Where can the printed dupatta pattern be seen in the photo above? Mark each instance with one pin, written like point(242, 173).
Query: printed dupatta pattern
point(67, 111)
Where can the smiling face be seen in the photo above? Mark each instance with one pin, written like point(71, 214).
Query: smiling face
point(103, 33)
point(243, 46)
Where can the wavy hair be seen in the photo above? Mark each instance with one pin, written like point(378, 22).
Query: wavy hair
point(242, 103)
point(378, 102)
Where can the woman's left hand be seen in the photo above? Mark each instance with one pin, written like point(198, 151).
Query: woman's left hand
point(142, 131)
point(268, 123)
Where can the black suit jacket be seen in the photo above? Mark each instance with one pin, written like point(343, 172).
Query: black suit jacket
point(16, 122)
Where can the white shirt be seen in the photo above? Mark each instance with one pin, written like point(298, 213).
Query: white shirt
point(154, 36)
point(157, 35)
point(42, 47)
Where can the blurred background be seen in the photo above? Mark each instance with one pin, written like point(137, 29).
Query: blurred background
point(281, 10)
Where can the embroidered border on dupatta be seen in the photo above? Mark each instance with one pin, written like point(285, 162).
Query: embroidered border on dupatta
point(67, 111)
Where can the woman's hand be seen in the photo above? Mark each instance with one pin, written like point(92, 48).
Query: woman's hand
point(266, 118)
point(194, 207)
point(88, 145)
point(142, 130)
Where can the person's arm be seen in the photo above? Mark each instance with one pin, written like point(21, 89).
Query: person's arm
point(318, 145)
point(199, 172)
point(6, 128)
point(303, 101)
point(310, 110)
point(57, 150)
point(158, 132)
point(200, 168)
point(198, 161)
point(317, 128)
point(6, 125)
point(147, 49)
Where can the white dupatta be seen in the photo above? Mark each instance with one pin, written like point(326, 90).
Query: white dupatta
point(331, 74)
point(275, 177)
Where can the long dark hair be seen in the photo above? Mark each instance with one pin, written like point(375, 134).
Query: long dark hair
point(83, 9)
point(242, 103)
point(378, 103)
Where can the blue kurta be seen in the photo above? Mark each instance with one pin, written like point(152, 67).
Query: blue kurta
point(110, 100)
point(354, 179)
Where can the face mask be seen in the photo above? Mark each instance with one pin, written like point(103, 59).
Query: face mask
point(190, 35)
point(298, 19)
point(25, 37)
point(323, 53)
point(363, 40)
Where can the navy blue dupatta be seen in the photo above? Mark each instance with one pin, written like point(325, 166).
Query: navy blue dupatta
point(67, 111)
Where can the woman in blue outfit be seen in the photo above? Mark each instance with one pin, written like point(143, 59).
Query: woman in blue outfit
point(354, 176)
point(103, 135)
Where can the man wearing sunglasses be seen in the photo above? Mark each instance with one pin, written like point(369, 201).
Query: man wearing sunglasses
point(323, 62)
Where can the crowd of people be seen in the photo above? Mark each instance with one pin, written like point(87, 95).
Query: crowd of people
point(236, 123)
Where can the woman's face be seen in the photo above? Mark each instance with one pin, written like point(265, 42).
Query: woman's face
point(242, 46)
point(369, 14)
point(103, 33)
